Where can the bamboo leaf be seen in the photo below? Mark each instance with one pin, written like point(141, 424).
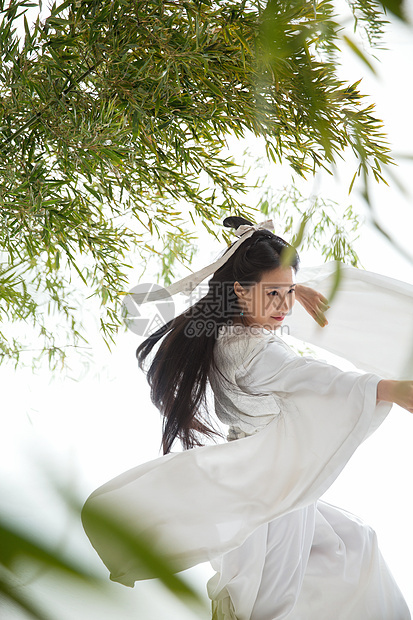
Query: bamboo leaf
point(354, 48)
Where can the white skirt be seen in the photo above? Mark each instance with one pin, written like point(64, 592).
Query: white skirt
point(319, 563)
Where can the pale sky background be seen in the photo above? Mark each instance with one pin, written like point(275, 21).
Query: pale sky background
point(88, 431)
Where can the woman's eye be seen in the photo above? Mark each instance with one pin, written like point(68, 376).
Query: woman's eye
point(276, 292)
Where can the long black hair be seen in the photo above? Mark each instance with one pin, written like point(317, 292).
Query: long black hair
point(178, 373)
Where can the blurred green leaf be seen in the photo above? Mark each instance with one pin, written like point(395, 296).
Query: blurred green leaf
point(16, 545)
point(17, 548)
point(140, 550)
point(10, 592)
point(396, 7)
point(354, 48)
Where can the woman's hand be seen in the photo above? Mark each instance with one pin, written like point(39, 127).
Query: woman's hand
point(314, 302)
point(399, 392)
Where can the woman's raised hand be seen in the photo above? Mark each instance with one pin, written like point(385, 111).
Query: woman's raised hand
point(314, 302)
point(398, 392)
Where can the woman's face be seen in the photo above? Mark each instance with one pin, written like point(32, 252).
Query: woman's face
point(268, 301)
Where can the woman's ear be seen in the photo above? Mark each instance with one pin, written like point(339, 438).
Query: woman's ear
point(239, 290)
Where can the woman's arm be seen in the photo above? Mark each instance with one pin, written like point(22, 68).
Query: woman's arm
point(398, 392)
point(314, 302)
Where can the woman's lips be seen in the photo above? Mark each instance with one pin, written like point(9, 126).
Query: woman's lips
point(279, 318)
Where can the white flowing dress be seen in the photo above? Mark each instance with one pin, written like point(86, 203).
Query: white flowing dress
point(251, 506)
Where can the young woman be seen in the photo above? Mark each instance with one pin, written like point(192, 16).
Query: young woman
point(251, 505)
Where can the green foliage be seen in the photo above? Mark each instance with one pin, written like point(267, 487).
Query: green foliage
point(322, 225)
point(20, 550)
point(113, 121)
point(328, 227)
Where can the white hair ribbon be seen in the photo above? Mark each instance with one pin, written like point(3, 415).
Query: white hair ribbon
point(191, 281)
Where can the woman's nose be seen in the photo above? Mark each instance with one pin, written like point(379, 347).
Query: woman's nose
point(283, 304)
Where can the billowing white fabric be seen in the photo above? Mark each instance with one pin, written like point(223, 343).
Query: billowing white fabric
point(370, 322)
point(251, 506)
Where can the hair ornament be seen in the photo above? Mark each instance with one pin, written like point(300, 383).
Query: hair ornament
point(243, 228)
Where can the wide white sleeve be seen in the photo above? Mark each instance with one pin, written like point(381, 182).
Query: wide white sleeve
point(369, 322)
point(306, 383)
point(195, 505)
point(272, 366)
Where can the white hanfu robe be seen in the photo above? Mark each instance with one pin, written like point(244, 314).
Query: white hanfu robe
point(316, 561)
point(251, 506)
